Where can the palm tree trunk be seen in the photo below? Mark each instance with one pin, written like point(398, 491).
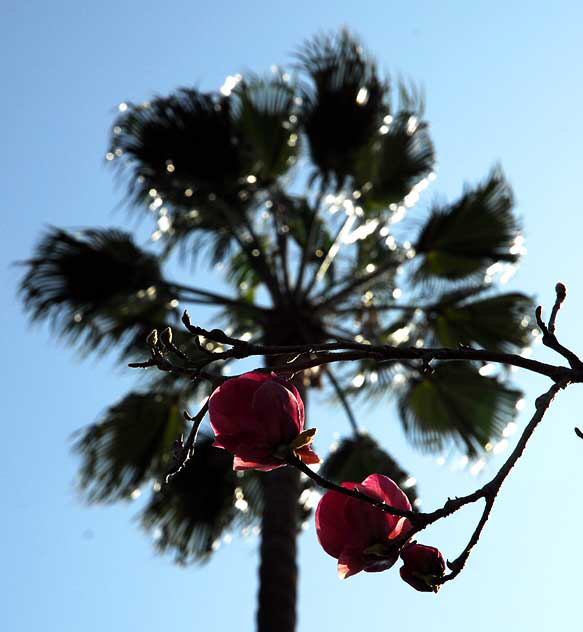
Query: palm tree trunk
point(278, 570)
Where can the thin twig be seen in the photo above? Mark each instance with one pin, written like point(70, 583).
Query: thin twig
point(323, 354)
point(183, 451)
point(561, 295)
point(342, 351)
point(550, 341)
point(385, 353)
point(353, 493)
point(491, 489)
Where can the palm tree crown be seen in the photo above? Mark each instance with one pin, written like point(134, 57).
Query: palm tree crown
point(297, 183)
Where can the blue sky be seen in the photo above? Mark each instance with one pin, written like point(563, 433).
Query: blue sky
point(503, 84)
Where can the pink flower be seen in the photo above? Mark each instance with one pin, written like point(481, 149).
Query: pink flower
point(360, 536)
point(259, 417)
point(423, 567)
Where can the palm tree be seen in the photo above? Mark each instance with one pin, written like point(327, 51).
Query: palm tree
point(295, 184)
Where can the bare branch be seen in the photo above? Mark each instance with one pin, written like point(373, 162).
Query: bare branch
point(353, 493)
point(183, 451)
point(550, 341)
point(561, 295)
point(491, 489)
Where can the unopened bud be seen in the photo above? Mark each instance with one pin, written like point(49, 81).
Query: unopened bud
point(152, 338)
point(166, 336)
point(186, 318)
point(218, 335)
point(423, 567)
point(561, 291)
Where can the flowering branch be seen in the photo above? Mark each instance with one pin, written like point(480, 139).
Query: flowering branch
point(294, 449)
point(488, 492)
point(342, 351)
point(415, 518)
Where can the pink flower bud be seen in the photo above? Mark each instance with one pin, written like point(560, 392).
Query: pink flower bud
point(360, 536)
point(423, 567)
point(257, 417)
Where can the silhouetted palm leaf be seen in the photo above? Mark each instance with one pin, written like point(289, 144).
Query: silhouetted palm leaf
point(456, 403)
point(189, 515)
point(263, 114)
point(182, 148)
point(497, 323)
point(298, 216)
point(344, 105)
point(188, 158)
point(358, 457)
point(243, 275)
point(372, 254)
point(398, 160)
point(130, 445)
point(96, 287)
point(376, 277)
point(462, 240)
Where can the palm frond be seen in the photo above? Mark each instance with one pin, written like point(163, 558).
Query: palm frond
point(497, 323)
point(130, 445)
point(462, 240)
point(398, 160)
point(343, 105)
point(182, 148)
point(456, 403)
point(243, 275)
point(186, 158)
point(263, 115)
point(299, 216)
point(96, 287)
point(373, 255)
point(200, 237)
point(190, 514)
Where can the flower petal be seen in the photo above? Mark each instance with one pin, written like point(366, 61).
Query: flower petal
point(350, 562)
point(240, 464)
point(368, 524)
point(332, 531)
point(230, 405)
point(277, 413)
point(383, 488)
point(401, 526)
point(296, 394)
